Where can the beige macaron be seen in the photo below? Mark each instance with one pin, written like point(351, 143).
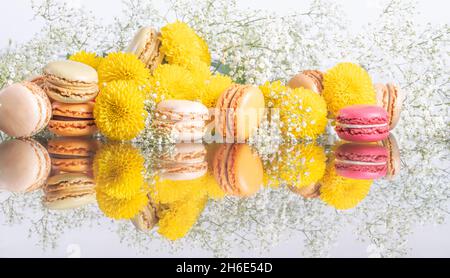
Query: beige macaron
point(70, 82)
point(185, 162)
point(25, 109)
point(182, 120)
point(146, 219)
point(69, 191)
point(24, 165)
point(145, 45)
point(308, 192)
point(308, 79)
point(394, 161)
point(390, 97)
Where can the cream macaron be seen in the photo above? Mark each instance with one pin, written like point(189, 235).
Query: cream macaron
point(145, 45)
point(183, 120)
point(390, 97)
point(24, 165)
point(185, 162)
point(24, 109)
point(70, 82)
point(308, 79)
point(146, 219)
point(69, 191)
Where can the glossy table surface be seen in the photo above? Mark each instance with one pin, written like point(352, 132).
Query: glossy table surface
point(401, 216)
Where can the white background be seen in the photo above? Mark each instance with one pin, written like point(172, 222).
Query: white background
point(16, 22)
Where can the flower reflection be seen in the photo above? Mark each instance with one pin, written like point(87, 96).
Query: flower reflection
point(119, 175)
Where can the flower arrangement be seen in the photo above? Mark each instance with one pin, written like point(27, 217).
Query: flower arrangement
point(255, 51)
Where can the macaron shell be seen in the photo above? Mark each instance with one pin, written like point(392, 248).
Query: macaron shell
point(73, 147)
point(72, 165)
point(62, 90)
point(363, 134)
point(24, 110)
point(361, 161)
point(79, 111)
point(244, 171)
point(145, 45)
point(396, 97)
point(394, 161)
point(73, 128)
point(241, 110)
point(71, 202)
point(359, 172)
point(72, 71)
point(24, 165)
point(311, 80)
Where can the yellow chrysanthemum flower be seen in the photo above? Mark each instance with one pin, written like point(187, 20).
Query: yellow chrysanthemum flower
point(169, 191)
point(121, 66)
point(118, 170)
point(213, 88)
point(342, 193)
point(303, 113)
point(178, 220)
point(302, 165)
point(119, 111)
point(347, 84)
point(116, 208)
point(87, 58)
point(180, 44)
point(173, 82)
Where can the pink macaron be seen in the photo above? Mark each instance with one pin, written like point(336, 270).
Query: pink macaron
point(362, 123)
point(361, 161)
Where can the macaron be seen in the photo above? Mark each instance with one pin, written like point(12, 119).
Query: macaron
point(185, 162)
point(145, 45)
point(308, 79)
point(146, 219)
point(390, 97)
point(73, 119)
point(239, 112)
point(69, 191)
point(182, 120)
point(362, 123)
point(394, 161)
point(72, 147)
point(308, 192)
point(25, 110)
point(238, 170)
point(24, 165)
point(70, 82)
point(361, 161)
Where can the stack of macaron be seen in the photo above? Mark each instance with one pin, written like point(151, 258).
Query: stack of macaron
point(185, 162)
point(71, 184)
point(181, 120)
point(72, 86)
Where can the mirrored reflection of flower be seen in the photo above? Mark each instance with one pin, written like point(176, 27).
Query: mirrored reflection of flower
point(120, 184)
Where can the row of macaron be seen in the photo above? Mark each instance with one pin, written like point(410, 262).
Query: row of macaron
point(238, 170)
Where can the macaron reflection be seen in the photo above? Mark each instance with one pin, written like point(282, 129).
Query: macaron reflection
point(393, 162)
point(238, 170)
point(185, 162)
point(71, 184)
point(24, 165)
point(361, 161)
point(69, 191)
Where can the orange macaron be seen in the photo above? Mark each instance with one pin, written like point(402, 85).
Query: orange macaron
point(238, 170)
point(73, 119)
point(239, 111)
